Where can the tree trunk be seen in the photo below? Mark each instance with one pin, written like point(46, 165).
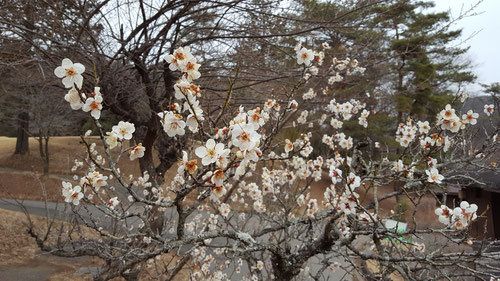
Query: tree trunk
point(22, 142)
point(283, 269)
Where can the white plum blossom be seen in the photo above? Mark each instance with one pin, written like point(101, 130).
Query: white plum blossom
point(434, 176)
point(71, 73)
point(432, 162)
point(72, 194)
point(305, 56)
point(74, 99)
point(95, 179)
point(470, 117)
point(113, 202)
point(190, 67)
point(178, 59)
point(444, 213)
point(288, 145)
point(336, 124)
point(406, 133)
point(353, 181)
point(460, 217)
point(186, 165)
point(303, 117)
point(94, 105)
point(137, 152)
point(449, 120)
point(245, 137)
point(224, 209)
point(310, 94)
point(398, 166)
point(257, 118)
point(210, 152)
point(218, 177)
point(488, 109)
point(172, 123)
point(293, 105)
point(423, 127)
point(335, 174)
point(111, 139)
point(463, 97)
point(124, 130)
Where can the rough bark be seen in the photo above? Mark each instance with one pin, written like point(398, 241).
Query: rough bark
point(22, 143)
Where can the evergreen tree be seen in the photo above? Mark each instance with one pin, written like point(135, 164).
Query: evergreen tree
point(425, 65)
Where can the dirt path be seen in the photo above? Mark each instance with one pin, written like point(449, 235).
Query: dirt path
point(41, 268)
point(23, 172)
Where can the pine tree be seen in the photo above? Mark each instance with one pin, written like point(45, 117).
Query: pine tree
point(424, 62)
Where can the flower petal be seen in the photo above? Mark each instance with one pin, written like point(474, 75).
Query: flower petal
point(67, 81)
point(67, 63)
point(206, 160)
point(210, 144)
point(201, 151)
point(60, 72)
point(78, 67)
point(78, 79)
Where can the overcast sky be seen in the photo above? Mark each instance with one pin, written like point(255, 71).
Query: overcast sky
point(485, 44)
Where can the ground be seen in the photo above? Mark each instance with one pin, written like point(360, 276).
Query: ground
point(20, 175)
point(20, 258)
point(62, 150)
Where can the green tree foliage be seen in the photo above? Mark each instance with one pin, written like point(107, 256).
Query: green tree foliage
point(425, 64)
point(413, 66)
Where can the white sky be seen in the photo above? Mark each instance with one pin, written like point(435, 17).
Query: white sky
point(485, 44)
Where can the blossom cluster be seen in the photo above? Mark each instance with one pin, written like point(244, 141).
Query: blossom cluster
point(459, 217)
point(186, 92)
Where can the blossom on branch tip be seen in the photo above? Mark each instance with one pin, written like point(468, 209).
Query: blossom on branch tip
point(71, 194)
point(305, 56)
point(470, 117)
point(434, 176)
point(71, 73)
point(124, 130)
point(94, 105)
point(137, 152)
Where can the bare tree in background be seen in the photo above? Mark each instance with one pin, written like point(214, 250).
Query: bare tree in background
point(31, 99)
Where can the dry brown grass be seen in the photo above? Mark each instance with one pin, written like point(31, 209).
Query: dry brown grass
point(21, 178)
point(28, 186)
point(62, 151)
